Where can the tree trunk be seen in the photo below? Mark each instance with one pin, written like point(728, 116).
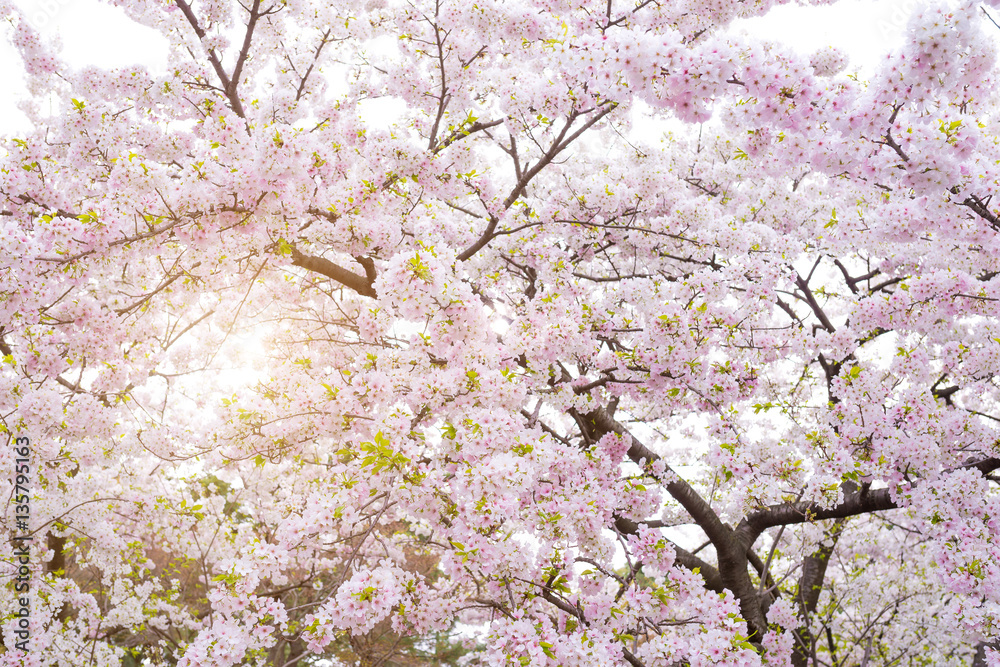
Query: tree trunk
point(810, 586)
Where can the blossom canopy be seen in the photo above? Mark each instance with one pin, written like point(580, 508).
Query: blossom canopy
point(403, 333)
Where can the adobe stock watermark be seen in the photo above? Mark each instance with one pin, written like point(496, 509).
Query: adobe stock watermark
point(21, 541)
point(42, 12)
point(895, 22)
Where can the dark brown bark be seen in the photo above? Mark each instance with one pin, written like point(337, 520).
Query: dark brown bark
point(980, 659)
point(730, 546)
point(733, 546)
point(684, 558)
point(856, 501)
point(810, 586)
point(360, 284)
point(57, 566)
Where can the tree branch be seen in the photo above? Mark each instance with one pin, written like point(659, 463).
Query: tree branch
point(856, 501)
point(731, 547)
point(560, 143)
point(684, 558)
point(234, 82)
point(681, 491)
point(810, 586)
point(360, 284)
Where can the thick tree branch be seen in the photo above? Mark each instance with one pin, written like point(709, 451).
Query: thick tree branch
point(863, 501)
point(803, 284)
point(731, 548)
point(684, 558)
point(810, 586)
point(681, 491)
point(231, 84)
point(213, 57)
point(979, 660)
point(856, 501)
point(889, 141)
point(981, 208)
point(360, 284)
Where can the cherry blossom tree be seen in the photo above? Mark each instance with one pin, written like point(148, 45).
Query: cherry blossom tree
point(405, 334)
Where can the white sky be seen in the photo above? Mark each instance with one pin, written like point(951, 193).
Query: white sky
point(864, 29)
point(95, 34)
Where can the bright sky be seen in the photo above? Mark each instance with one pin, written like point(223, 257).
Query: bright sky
point(863, 29)
point(95, 34)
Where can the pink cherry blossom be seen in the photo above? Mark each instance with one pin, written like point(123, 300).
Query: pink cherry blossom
point(402, 332)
